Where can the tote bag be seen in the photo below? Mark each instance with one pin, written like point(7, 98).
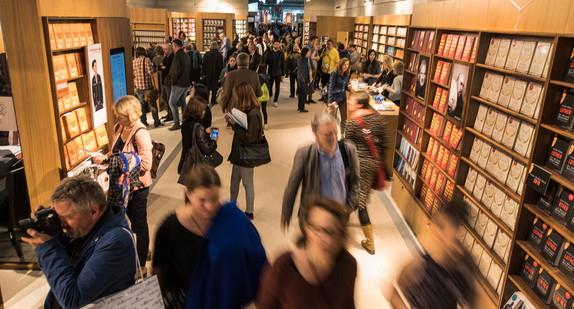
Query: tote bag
point(195, 156)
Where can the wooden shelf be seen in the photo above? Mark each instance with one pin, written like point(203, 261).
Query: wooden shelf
point(76, 136)
point(429, 189)
point(554, 224)
point(426, 156)
point(65, 50)
point(439, 84)
point(505, 228)
point(565, 182)
point(412, 95)
point(508, 151)
point(405, 182)
point(75, 78)
point(508, 72)
point(505, 110)
point(492, 179)
point(528, 292)
point(73, 108)
point(403, 157)
point(409, 117)
point(436, 110)
point(411, 72)
point(444, 143)
point(453, 59)
point(558, 130)
point(417, 147)
point(562, 84)
point(480, 240)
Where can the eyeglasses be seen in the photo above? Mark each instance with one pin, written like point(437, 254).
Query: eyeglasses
point(325, 231)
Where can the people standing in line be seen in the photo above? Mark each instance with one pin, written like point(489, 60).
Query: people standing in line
point(329, 60)
point(225, 46)
point(359, 108)
point(212, 66)
point(183, 37)
point(206, 247)
point(247, 102)
point(254, 57)
point(165, 66)
point(195, 63)
point(387, 76)
point(337, 91)
point(230, 67)
point(314, 57)
point(143, 75)
point(304, 79)
point(318, 272)
point(371, 68)
point(193, 114)
point(395, 89)
point(326, 168)
point(200, 91)
point(158, 58)
point(292, 63)
point(263, 80)
point(95, 257)
point(150, 51)
point(342, 52)
point(239, 76)
point(355, 58)
point(275, 61)
point(179, 80)
point(130, 135)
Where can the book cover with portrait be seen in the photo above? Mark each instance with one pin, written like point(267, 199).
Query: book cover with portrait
point(458, 88)
point(421, 82)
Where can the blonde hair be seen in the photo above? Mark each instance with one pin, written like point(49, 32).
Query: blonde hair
point(399, 68)
point(130, 107)
point(388, 61)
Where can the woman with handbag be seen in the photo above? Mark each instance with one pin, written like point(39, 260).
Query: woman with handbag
point(369, 133)
point(146, 91)
point(304, 78)
point(193, 133)
point(338, 87)
point(247, 102)
point(207, 254)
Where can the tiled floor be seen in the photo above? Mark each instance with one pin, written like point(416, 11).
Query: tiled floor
point(287, 130)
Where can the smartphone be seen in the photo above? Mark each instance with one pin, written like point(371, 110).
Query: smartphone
point(214, 133)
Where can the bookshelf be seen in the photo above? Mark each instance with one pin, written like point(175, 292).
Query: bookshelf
point(361, 37)
point(185, 24)
point(310, 29)
point(148, 26)
point(240, 27)
point(211, 30)
point(389, 40)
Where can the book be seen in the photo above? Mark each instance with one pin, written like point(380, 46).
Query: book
point(510, 132)
point(429, 47)
point(523, 139)
point(494, 275)
point(444, 73)
point(447, 131)
point(443, 162)
point(436, 100)
point(531, 98)
point(566, 264)
point(513, 54)
point(59, 35)
point(561, 299)
point(81, 34)
point(455, 137)
point(569, 70)
point(501, 244)
point(447, 46)
point(443, 100)
point(502, 53)
point(74, 94)
point(415, 39)
point(552, 247)
point(469, 240)
point(72, 65)
point(470, 179)
point(490, 233)
point(495, 87)
point(73, 153)
point(538, 233)
point(452, 164)
point(460, 47)
point(492, 163)
point(437, 71)
point(539, 59)
point(75, 35)
point(544, 285)
point(472, 214)
point(82, 119)
point(476, 253)
point(89, 35)
point(484, 264)
point(101, 135)
point(52, 36)
point(506, 91)
point(474, 51)
point(562, 210)
point(525, 57)
point(509, 212)
point(467, 48)
point(488, 126)
point(448, 191)
point(483, 154)
point(488, 194)
point(421, 42)
point(485, 88)
point(557, 156)
point(453, 46)
point(502, 170)
point(492, 51)
point(517, 95)
point(499, 125)
point(480, 118)
point(479, 187)
point(60, 68)
point(565, 116)
point(568, 170)
point(67, 35)
point(440, 181)
point(515, 175)
point(71, 125)
point(441, 44)
point(424, 47)
point(89, 141)
point(436, 124)
point(529, 272)
point(461, 233)
point(547, 200)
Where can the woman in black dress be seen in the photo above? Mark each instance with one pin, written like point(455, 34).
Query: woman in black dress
point(371, 68)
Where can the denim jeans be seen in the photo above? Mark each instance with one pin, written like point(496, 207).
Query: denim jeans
point(245, 175)
point(177, 94)
point(141, 97)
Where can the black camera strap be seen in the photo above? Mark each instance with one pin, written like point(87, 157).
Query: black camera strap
point(77, 245)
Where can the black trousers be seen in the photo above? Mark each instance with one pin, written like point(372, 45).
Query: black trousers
point(277, 81)
point(212, 87)
point(301, 97)
point(264, 111)
point(137, 213)
point(292, 82)
point(324, 79)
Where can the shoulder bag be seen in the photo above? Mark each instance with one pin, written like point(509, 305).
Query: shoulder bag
point(381, 177)
point(150, 95)
point(194, 156)
point(157, 152)
point(255, 154)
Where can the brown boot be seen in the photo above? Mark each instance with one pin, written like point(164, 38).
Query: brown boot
point(369, 242)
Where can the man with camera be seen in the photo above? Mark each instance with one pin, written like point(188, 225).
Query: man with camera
point(93, 256)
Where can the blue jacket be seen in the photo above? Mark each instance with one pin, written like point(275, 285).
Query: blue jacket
point(105, 266)
point(337, 87)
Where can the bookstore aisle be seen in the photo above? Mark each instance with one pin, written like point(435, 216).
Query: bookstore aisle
point(394, 242)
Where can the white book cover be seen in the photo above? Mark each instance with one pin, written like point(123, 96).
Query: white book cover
point(513, 54)
point(476, 253)
point(525, 56)
point(501, 243)
point(461, 233)
point(484, 264)
point(472, 213)
point(488, 194)
point(506, 91)
point(547, 65)
point(480, 117)
point(490, 233)
point(486, 83)
point(239, 117)
point(523, 138)
point(489, 122)
point(495, 88)
point(517, 95)
point(515, 175)
point(492, 51)
point(521, 182)
point(481, 222)
point(470, 179)
point(539, 59)
point(497, 201)
point(503, 167)
point(475, 150)
point(485, 152)
point(479, 187)
point(502, 54)
point(492, 163)
point(499, 126)
point(531, 99)
point(494, 274)
point(510, 132)
point(509, 211)
point(469, 240)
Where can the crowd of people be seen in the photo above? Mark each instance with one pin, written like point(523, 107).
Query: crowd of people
point(208, 254)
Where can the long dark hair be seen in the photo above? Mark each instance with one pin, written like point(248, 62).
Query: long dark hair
point(201, 176)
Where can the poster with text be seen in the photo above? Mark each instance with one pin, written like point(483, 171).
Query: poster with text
point(97, 84)
point(457, 90)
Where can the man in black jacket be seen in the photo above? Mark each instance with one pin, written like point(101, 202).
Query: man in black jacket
point(211, 69)
point(254, 57)
point(164, 67)
point(178, 78)
point(275, 61)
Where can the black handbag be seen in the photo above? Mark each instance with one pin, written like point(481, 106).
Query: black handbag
point(256, 154)
point(195, 156)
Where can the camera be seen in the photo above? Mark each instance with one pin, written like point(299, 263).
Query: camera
point(46, 221)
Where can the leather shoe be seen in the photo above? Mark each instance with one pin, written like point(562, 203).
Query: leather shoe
point(311, 101)
point(303, 111)
point(174, 127)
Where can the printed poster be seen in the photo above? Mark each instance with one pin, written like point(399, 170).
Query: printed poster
point(97, 89)
point(458, 86)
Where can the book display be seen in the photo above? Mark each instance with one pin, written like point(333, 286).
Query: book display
point(240, 27)
point(389, 40)
point(187, 25)
point(211, 30)
point(68, 61)
point(310, 30)
point(149, 26)
point(361, 38)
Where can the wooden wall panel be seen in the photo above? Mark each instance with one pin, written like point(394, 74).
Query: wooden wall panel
point(32, 97)
point(331, 25)
point(83, 8)
point(392, 20)
point(145, 15)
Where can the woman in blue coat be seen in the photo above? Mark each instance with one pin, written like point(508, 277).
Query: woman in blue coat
point(338, 85)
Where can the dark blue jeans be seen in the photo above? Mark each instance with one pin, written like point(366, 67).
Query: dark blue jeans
point(141, 97)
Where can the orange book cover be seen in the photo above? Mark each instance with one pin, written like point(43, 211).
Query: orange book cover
point(82, 119)
point(439, 183)
point(460, 47)
point(436, 124)
point(455, 137)
point(452, 165)
point(436, 100)
point(441, 44)
point(89, 141)
point(444, 160)
point(53, 44)
point(453, 132)
point(453, 45)
point(429, 200)
point(75, 35)
point(440, 154)
point(435, 207)
point(437, 71)
point(423, 192)
point(63, 130)
point(434, 150)
point(89, 34)
point(443, 98)
point(467, 48)
point(60, 68)
point(79, 65)
point(74, 94)
point(448, 191)
point(448, 45)
point(424, 168)
point(80, 145)
point(59, 34)
point(101, 135)
point(447, 131)
point(62, 89)
point(61, 108)
point(444, 73)
point(68, 103)
point(428, 173)
point(73, 152)
point(71, 124)
point(473, 55)
point(68, 35)
point(72, 65)
point(433, 178)
point(82, 34)
point(66, 157)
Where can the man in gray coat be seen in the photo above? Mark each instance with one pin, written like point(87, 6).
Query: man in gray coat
point(327, 168)
point(236, 77)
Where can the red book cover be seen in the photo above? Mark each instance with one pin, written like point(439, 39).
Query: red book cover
point(421, 40)
point(439, 183)
point(413, 84)
point(408, 105)
point(426, 41)
point(437, 97)
point(411, 62)
point(423, 192)
point(433, 178)
point(434, 150)
point(444, 160)
point(420, 137)
point(441, 44)
point(447, 46)
point(435, 206)
point(440, 154)
point(448, 191)
point(444, 73)
point(421, 114)
point(455, 137)
point(460, 47)
point(452, 165)
point(447, 131)
point(467, 48)
point(429, 200)
point(414, 39)
point(453, 45)
point(424, 168)
point(443, 98)
point(431, 42)
point(473, 55)
point(437, 71)
point(428, 173)
point(435, 124)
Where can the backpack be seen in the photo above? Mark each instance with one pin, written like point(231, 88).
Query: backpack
point(265, 96)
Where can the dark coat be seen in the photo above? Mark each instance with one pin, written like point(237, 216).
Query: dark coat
point(250, 136)
point(203, 140)
point(167, 64)
point(233, 79)
point(280, 64)
point(254, 61)
point(179, 71)
point(338, 85)
point(212, 65)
